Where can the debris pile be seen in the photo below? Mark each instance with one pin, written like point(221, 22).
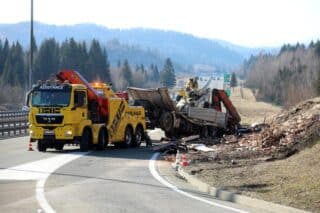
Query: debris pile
point(287, 133)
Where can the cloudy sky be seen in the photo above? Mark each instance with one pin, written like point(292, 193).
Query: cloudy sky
point(245, 22)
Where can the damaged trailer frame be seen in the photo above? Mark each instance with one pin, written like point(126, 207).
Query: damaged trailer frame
point(161, 112)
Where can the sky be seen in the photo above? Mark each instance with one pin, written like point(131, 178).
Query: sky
point(251, 23)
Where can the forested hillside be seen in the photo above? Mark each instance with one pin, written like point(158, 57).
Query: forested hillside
point(90, 60)
point(184, 48)
point(287, 78)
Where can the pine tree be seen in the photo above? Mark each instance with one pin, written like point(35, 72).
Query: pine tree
point(143, 73)
point(13, 71)
point(82, 56)
point(27, 59)
point(126, 72)
point(98, 67)
point(107, 68)
point(156, 75)
point(167, 76)
point(47, 61)
point(4, 53)
point(233, 82)
point(69, 55)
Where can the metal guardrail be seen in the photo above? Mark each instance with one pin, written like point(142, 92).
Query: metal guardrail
point(13, 123)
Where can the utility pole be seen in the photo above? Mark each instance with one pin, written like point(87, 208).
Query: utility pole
point(31, 47)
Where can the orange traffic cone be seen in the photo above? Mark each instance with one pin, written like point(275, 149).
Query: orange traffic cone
point(175, 165)
point(184, 161)
point(30, 146)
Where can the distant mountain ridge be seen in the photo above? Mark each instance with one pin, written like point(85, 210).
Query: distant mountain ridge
point(153, 44)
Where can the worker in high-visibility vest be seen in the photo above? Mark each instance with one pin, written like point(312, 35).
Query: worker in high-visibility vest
point(192, 84)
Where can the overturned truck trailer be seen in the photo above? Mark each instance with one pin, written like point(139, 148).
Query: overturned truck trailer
point(208, 120)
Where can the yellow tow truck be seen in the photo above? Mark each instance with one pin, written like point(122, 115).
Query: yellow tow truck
point(69, 110)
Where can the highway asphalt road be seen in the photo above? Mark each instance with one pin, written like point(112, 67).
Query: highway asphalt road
point(114, 180)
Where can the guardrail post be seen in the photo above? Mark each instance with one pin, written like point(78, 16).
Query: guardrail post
point(13, 121)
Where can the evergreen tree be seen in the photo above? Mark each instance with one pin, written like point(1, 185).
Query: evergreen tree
point(167, 76)
point(47, 61)
point(107, 74)
point(4, 53)
point(126, 72)
point(69, 55)
point(82, 56)
point(27, 58)
point(156, 75)
point(19, 67)
point(98, 67)
point(143, 73)
point(13, 71)
point(233, 82)
point(137, 68)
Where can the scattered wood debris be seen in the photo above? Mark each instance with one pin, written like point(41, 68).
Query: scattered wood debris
point(287, 133)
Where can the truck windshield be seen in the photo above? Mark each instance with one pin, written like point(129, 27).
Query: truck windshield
point(50, 98)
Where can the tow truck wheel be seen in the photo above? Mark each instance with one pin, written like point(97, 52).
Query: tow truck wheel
point(138, 136)
point(102, 139)
point(42, 147)
point(85, 140)
point(128, 137)
point(59, 146)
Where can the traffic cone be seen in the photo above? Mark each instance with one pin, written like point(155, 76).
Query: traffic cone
point(30, 146)
point(184, 161)
point(176, 164)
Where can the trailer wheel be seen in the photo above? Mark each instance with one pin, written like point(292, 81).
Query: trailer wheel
point(42, 146)
point(85, 140)
point(102, 139)
point(166, 121)
point(204, 131)
point(128, 137)
point(138, 136)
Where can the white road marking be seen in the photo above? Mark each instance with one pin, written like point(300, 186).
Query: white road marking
point(39, 170)
point(152, 168)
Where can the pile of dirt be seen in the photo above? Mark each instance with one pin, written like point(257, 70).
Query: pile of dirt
point(288, 132)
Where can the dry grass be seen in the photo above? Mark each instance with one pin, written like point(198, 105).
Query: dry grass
point(293, 181)
point(252, 111)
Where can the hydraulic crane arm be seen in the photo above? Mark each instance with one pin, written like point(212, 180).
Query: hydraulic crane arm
point(220, 96)
point(93, 97)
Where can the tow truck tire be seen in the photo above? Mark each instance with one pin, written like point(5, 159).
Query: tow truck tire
point(138, 137)
point(102, 139)
point(128, 137)
point(84, 141)
point(59, 147)
point(42, 147)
